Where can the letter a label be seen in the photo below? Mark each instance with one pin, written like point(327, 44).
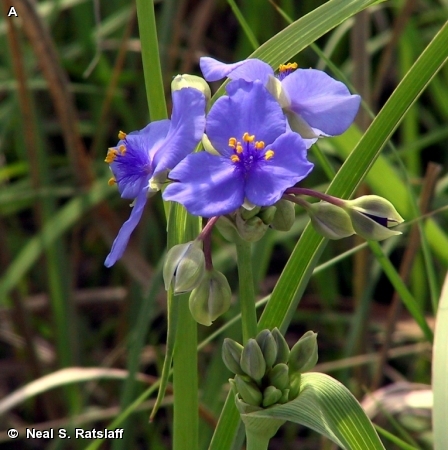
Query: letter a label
point(12, 12)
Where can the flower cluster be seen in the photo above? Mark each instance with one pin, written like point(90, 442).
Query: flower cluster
point(256, 139)
point(266, 371)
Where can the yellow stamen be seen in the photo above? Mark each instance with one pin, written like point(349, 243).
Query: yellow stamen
point(269, 155)
point(259, 145)
point(289, 66)
point(122, 135)
point(239, 147)
point(111, 181)
point(247, 137)
point(232, 142)
point(234, 158)
point(111, 155)
point(122, 149)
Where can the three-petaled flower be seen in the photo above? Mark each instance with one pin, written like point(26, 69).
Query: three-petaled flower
point(258, 155)
point(141, 160)
point(315, 104)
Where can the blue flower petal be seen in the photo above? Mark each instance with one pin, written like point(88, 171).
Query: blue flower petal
point(186, 130)
point(250, 108)
point(133, 169)
point(324, 103)
point(268, 180)
point(122, 239)
point(207, 186)
point(249, 70)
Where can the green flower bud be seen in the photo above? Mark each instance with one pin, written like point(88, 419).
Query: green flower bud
point(252, 360)
point(285, 396)
point(227, 228)
point(211, 298)
point(231, 355)
point(268, 347)
point(330, 220)
point(267, 214)
point(285, 215)
point(184, 267)
point(278, 376)
point(248, 391)
point(271, 395)
point(191, 81)
point(282, 347)
point(245, 408)
point(247, 214)
point(372, 216)
point(252, 229)
point(303, 356)
point(294, 385)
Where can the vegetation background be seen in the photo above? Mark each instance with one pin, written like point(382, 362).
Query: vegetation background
point(92, 339)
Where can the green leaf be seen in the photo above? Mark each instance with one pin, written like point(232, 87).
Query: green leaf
point(440, 373)
point(328, 407)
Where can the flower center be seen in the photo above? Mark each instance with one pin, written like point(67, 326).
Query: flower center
point(286, 69)
point(130, 161)
point(248, 152)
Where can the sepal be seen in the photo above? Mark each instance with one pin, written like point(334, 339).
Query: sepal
point(184, 267)
point(211, 298)
point(330, 220)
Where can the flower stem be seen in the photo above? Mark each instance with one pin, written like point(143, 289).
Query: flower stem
point(246, 290)
point(320, 195)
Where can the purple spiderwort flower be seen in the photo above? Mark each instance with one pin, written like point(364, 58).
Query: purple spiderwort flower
point(141, 159)
point(258, 155)
point(315, 104)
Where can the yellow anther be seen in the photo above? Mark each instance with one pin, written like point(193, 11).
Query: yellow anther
point(121, 135)
point(111, 155)
point(289, 66)
point(259, 145)
point(247, 137)
point(234, 158)
point(232, 142)
point(111, 181)
point(239, 147)
point(269, 155)
point(122, 149)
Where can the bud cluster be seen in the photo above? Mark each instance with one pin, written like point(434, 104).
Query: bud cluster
point(266, 371)
point(250, 224)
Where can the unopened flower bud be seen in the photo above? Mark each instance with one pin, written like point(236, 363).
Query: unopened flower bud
point(211, 298)
point(282, 347)
point(267, 214)
point(252, 360)
point(303, 356)
point(227, 228)
point(248, 391)
point(231, 355)
point(284, 217)
point(279, 376)
point(184, 267)
point(285, 396)
point(294, 385)
point(247, 214)
point(191, 81)
point(372, 216)
point(330, 220)
point(271, 395)
point(251, 230)
point(268, 347)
